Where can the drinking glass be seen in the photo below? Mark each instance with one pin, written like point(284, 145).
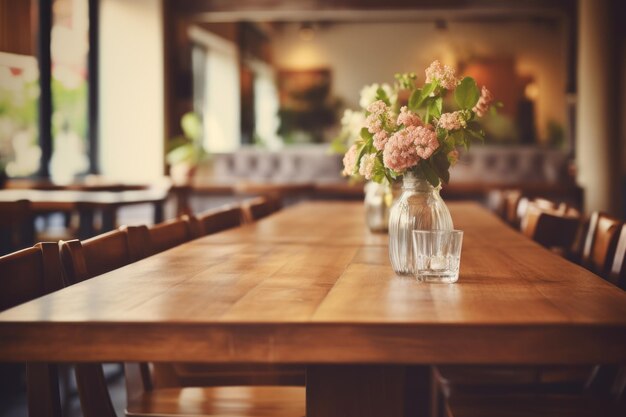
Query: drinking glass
point(437, 255)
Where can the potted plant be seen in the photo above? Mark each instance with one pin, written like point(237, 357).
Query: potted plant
point(186, 151)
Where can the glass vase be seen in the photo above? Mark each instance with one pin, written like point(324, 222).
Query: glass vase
point(378, 201)
point(420, 207)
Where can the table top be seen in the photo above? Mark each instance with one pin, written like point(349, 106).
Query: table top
point(311, 285)
point(69, 198)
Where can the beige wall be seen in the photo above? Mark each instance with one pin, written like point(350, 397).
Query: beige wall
point(364, 53)
point(595, 133)
point(131, 89)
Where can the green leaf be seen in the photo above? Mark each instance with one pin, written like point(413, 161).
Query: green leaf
point(382, 95)
point(428, 89)
point(441, 134)
point(467, 94)
point(429, 173)
point(475, 135)
point(441, 166)
point(366, 135)
point(434, 107)
point(459, 137)
point(414, 100)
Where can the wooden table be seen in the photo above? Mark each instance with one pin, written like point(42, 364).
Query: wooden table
point(86, 203)
point(311, 285)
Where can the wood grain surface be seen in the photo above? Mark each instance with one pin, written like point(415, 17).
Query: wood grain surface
point(311, 285)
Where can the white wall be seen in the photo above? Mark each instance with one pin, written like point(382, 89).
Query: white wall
point(131, 89)
point(361, 54)
point(594, 127)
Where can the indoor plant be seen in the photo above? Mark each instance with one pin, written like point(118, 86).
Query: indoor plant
point(186, 151)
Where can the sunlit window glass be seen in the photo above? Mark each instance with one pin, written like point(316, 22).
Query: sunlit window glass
point(69, 48)
point(19, 90)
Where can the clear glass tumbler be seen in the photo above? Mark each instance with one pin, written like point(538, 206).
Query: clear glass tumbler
point(437, 255)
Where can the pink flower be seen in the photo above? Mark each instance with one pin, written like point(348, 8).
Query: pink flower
point(426, 141)
point(349, 161)
point(380, 117)
point(485, 100)
point(380, 139)
point(442, 73)
point(366, 168)
point(452, 121)
point(408, 118)
point(399, 153)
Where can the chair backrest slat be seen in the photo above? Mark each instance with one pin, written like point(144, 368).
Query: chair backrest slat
point(24, 276)
point(600, 243)
point(549, 228)
point(169, 234)
point(214, 221)
point(95, 256)
point(618, 268)
point(16, 226)
point(260, 207)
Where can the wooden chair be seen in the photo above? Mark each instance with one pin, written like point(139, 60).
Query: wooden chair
point(600, 243)
point(260, 207)
point(166, 375)
point(26, 275)
point(217, 220)
point(617, 274)
point(171, 233)
point(607, 403)
point(550, 228)
point(16, 226)
point(94, 256)
point(144, 397)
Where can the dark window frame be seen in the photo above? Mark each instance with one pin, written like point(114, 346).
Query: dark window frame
point(45, 85)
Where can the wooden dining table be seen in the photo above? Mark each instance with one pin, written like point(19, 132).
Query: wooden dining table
point(311, 285)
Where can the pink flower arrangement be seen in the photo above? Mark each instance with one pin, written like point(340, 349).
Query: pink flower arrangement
point(418, 137)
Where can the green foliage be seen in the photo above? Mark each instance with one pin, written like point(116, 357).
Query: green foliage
point(382, 95)
point(191, 124)
point(188, 148)
point(441, 165)
point(467, 93)
point(428, 172)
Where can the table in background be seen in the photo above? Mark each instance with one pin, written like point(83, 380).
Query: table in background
point(87, 203)
point(311, 285)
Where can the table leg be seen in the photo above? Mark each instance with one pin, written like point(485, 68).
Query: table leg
point(85, 222)
point(369, 391)
point(159, 211)
point(109, 218)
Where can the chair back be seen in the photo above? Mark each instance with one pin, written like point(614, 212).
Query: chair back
point(16, 226)
point(600, 243)
point(94, 256)
point(169, 234)
point(260, 207)
point(24, 276)
point(82, 261)
point(617, 274)
point(214, 221)
point(549, 228)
